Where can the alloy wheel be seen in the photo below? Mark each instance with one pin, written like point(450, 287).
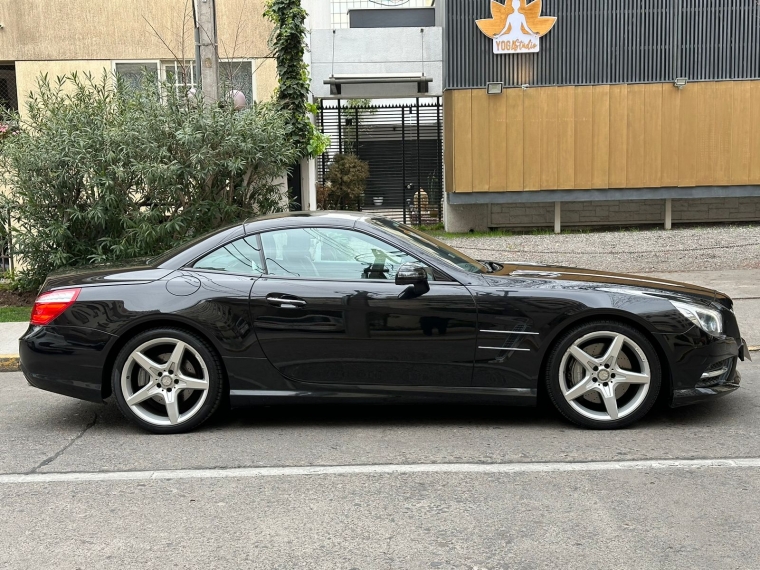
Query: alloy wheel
point(165, 381)
point(605, 376)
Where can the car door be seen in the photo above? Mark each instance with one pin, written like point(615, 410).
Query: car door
point(328, 311)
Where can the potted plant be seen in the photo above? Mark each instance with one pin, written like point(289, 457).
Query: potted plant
point(348, 179)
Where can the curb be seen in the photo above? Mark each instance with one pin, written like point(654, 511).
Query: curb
point(9, 362)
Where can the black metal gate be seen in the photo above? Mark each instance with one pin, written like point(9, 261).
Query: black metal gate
point(402, 144)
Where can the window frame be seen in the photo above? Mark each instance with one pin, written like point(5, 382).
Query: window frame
point(250, 60)
point(190, 265)
point(157, 62)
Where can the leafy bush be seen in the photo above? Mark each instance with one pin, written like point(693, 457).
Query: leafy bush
point(101, 171)
point(348, 179)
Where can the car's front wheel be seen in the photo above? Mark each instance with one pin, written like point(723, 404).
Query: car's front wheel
point(167, 380)
point(603, 375)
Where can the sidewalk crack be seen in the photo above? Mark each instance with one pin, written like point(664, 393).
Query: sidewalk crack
point(61, 451)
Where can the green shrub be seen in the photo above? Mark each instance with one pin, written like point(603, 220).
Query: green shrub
point(100, 171)
point(348, 179)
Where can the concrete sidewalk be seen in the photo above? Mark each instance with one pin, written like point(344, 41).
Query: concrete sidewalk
point(743, 285)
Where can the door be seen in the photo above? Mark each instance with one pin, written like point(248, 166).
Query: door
point(328, 311)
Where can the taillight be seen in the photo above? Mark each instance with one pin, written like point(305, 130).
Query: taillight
point(51, 305)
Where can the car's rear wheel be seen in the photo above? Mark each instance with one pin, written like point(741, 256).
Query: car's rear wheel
point(167, 380)
point(603, 375)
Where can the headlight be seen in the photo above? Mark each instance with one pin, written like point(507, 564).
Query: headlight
point(708, 320)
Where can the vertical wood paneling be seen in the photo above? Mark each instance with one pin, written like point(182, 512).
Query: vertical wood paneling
point(584, 112)
point(706, 144)
point(618, 135)
point(497, 113)
point(653, 135)
point(723, 103)
point(601, 137)
point(515, 146)
point(669, 136)
point(480, 141)
point(687, 136)
point(449, 164)
point(532, 139)
point(463, 140)
point(741, 133)
point(565, 137)
point(548, 138)
point(636, 137)
point(754, 136)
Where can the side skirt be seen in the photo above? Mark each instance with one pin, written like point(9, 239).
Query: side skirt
point(386, 394)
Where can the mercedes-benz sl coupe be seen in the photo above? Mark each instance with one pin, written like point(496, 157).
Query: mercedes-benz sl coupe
point(339, 306)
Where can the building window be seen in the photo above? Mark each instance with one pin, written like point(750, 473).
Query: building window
point(8, 98)
point(180, 75)
point(237, 76)
point(132, 72)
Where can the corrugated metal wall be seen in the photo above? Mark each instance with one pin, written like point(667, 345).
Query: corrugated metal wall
point(597, 42)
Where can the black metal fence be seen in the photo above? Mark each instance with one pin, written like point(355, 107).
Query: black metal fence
point(402, 143)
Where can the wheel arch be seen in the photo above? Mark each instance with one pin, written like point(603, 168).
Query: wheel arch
point(136, 328)
point(630, 319)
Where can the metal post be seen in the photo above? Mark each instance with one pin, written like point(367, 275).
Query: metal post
point(322, 130)
point(557, 217)
point(208, 52)
point(419, 180)
point(668, 213)
point(439, 157)
point(403, 162)
point(356, 138)
point(340, 130)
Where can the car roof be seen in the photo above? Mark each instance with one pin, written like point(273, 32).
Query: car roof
point(299, 219)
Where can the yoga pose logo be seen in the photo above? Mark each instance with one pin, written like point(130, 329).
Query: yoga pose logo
point(515, 27)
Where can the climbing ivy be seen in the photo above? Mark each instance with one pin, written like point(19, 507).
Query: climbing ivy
point(288, 43)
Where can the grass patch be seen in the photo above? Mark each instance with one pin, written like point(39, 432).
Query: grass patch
point(15, 314)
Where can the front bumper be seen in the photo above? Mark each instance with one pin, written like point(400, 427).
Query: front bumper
point(703, 367)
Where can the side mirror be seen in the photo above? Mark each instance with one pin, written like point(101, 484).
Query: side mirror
point(414, 274)
point(411, 274)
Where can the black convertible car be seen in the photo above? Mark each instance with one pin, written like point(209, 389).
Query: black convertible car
point(343, 306)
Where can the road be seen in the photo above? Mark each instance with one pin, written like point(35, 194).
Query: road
point(406, 487)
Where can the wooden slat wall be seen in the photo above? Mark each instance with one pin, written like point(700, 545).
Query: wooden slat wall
point(606, 136)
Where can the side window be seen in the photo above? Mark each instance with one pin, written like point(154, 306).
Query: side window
point(241, 256)
point(330, 253)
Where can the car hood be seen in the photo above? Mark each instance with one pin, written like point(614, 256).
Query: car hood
point(609, 280)
point(127, 271)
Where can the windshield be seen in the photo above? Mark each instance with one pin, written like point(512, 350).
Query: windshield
point(432, 246)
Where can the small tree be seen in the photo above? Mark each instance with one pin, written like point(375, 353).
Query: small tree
point(100, 172)
point(348, 179)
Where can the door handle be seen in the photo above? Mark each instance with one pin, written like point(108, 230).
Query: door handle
point(285, 302)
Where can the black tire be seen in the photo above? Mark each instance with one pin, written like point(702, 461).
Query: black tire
point(200, 349)
point(555, 382)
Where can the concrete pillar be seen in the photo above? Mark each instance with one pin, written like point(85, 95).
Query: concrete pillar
point(557, 217)
point(309, 183)
point(668, 213)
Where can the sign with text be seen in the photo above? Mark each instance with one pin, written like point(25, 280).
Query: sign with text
point(516, 26)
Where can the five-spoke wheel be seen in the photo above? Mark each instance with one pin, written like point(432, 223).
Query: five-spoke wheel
point(167, 380)
point(603, 375)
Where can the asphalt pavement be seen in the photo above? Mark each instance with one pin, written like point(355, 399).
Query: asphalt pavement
point(364, 487)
